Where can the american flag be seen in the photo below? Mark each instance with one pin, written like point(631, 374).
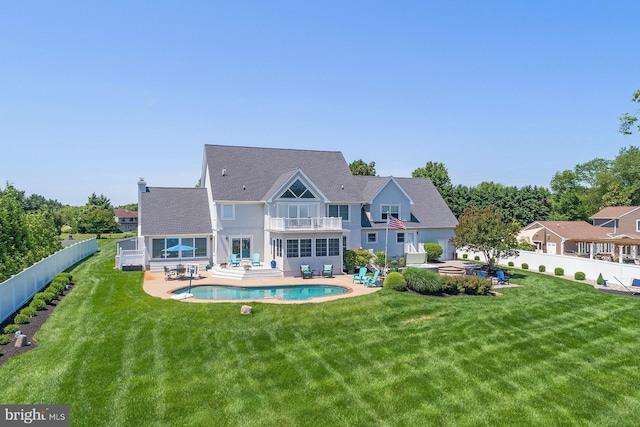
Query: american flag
point(396, 223)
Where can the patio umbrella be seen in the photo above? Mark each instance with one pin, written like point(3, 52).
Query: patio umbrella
point(179, 248)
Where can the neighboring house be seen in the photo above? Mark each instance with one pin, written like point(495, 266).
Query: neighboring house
point(619, 220)
point(615, 234)
point(291, 206)
point(126, 219)
point(561, 237)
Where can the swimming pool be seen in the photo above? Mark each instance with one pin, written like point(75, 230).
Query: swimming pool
point(290, 292)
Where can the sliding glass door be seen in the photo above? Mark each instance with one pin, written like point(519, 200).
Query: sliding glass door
point(241, 246)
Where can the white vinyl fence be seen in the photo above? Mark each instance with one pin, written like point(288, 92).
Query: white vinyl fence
point(570, 264)
point(19, 289)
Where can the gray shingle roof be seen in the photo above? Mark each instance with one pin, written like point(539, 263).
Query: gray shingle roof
point(174, 211)
point(257, 169)
point(428, 211)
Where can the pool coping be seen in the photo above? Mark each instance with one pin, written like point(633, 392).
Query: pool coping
point(155, 285)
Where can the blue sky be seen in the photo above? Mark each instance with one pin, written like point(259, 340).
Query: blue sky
point(94, 95)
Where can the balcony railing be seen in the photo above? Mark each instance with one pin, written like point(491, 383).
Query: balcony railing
point(306, 224)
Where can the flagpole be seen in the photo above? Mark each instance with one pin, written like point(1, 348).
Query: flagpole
point(386, 239)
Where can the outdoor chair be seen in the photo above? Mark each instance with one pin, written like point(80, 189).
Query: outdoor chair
point(306, 272)
point(233, 261)
point(255, 259)
point(371, 280)
point(169, 274)
point(327, 270)
point(360, 275)
point(503, 279)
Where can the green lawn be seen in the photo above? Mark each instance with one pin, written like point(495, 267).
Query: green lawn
point(552, 352)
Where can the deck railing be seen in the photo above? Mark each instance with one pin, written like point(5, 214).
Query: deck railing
point(306, 223)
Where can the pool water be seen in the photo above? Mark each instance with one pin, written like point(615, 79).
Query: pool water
point(291, 292)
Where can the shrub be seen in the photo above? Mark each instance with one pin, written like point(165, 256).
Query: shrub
point(465, 256)
point(12, 328)
point(4, 339)
point(580, 275)
point(363, 257)
point(21, 319)
point(600, 280)
point(476, 258)
point(47, 297)
point(433, 251)
point(510, 263)
point(452, 285)
point(395, 281)
point(558, 271)
point(349, 258)
point(28, 311)
point(476, 285)
point(422, 280)
point(56, 289)
point(525, 266)
point(542, 268)
point(66, 276)
point(38, 304)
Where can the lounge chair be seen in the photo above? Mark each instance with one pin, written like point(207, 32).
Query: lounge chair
point(371, 280)
point(255, 260)
point(360, 275)
point(327, 270)
point(483, 274)
point(503, 279)
point(233, 260)
point(306, 272)
point(169, 274)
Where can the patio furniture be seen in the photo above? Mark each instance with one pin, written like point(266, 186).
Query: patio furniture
point(371, 280)
point(327, 270)
point(306, 271)
point(503, 279)
point(192, 270)
point(635, 283)
point(169, 274)
point(233, 260)
point(360, 275)
point(255, 259)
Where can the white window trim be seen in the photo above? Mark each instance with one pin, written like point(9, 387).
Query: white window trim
point(637, 225)
point(375, 235)
point(404, 237)
point(389, 205)
point(233, 212)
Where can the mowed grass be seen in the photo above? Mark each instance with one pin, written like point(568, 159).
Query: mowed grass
point(552, 352)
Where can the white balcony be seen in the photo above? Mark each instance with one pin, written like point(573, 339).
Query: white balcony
point(289, 224)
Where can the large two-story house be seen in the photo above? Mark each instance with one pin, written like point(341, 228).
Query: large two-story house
point(289, 206)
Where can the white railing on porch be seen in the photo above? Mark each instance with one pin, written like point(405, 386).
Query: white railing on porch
point(409, 248)
point(130, 257)
point(306, 223)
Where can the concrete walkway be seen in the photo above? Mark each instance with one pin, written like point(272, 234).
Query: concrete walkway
point(155, 285)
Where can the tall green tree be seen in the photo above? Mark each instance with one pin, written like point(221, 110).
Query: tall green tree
point(627, 121)
point(359, 167)
point(97, 221)
point(13, 233)
point(100, 201)
point(436, 172)
point(484, 230)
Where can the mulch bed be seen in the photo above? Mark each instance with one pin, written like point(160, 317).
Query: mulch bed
point(29, 329)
